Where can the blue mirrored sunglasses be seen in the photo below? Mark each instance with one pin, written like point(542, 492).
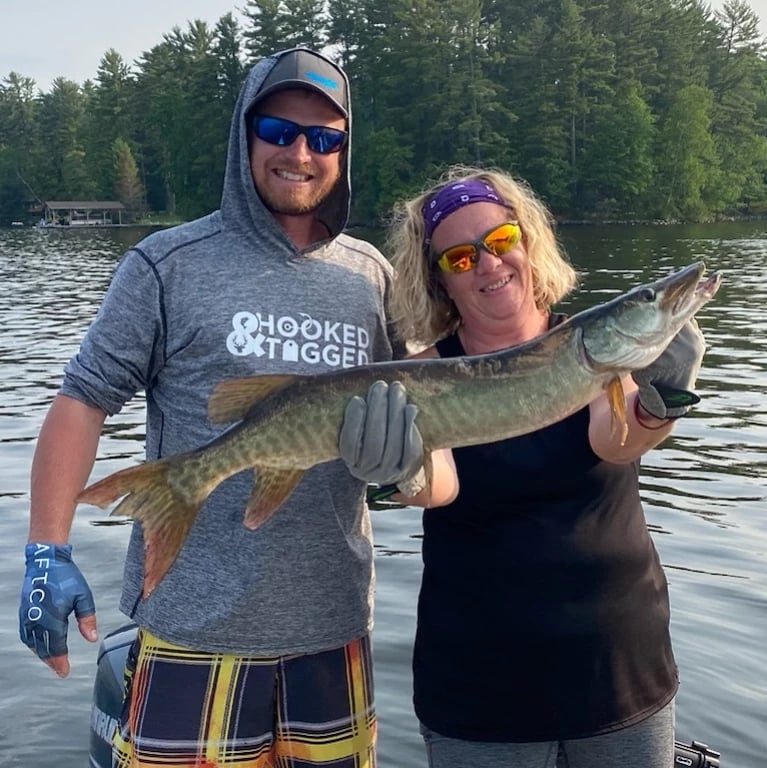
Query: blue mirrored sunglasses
point(282, 133)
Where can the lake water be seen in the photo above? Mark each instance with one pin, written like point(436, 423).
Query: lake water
point(705, 492)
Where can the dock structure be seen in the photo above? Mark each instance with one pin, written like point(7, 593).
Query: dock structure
point(82, 213)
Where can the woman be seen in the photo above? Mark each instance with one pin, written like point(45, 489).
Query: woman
point(543, 617)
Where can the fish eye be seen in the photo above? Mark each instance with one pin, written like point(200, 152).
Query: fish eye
point(647, 294)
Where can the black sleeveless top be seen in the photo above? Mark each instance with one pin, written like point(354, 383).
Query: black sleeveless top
point(543, 613)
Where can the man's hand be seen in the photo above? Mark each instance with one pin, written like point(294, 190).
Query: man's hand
point(379, 440)
point(665, 385)
point(53, 588)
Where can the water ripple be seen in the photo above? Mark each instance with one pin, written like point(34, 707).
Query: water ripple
point(704, 489)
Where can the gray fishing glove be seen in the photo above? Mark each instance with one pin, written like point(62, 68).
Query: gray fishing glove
point(665, 385)
point(379, 440)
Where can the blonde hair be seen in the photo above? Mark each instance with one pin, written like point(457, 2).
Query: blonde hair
point(421, 309)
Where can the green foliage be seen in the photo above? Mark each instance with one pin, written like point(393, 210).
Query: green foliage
point(108, 117)
point(128, 188)
point(381, 176)
point(618, 160)
point(687, 161)
point(18, 132)
point(62, 172)
point(609, 108)
point(279, 24)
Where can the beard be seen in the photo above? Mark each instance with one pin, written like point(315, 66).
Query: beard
point(302, 201)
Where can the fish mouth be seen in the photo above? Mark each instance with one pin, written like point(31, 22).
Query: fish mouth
point(707, 288)
point(687, 286)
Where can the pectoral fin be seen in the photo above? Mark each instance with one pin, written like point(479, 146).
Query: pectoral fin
point(272, 487)
point(617, 399)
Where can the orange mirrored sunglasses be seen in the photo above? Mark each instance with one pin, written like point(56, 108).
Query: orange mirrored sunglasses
point(463, 257)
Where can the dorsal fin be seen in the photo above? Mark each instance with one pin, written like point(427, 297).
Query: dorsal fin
point(232, 399)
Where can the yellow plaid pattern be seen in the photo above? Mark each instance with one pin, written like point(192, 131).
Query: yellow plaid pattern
point(187, 709)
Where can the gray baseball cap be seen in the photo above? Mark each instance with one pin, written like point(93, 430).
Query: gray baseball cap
point(304, 68)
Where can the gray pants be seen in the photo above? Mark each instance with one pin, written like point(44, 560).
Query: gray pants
point(649, 744)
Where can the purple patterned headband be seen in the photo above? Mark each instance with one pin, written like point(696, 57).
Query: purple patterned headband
point(453, 196)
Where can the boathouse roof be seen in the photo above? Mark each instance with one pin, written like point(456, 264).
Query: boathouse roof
point(83, 205)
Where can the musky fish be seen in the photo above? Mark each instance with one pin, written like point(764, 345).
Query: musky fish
point(286, 424)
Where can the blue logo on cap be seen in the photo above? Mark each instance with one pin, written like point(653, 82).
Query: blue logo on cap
point(326, 81)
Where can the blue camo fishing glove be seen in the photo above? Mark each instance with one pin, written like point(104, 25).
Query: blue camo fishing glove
point(379, 440)
point(53, 588)
point(665, 386)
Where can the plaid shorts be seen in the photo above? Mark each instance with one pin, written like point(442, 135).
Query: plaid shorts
point(200, 710)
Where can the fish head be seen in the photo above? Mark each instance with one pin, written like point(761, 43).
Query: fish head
point(632, 330)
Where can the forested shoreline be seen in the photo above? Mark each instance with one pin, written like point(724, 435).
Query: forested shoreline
point(611, 109)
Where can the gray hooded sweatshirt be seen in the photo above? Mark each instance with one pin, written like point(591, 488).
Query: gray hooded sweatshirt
point(224, 296)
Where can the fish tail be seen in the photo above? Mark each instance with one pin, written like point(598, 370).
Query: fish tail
point(166, 514)
point(111, 488)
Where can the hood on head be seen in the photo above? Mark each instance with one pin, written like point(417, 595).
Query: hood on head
point(292, 68)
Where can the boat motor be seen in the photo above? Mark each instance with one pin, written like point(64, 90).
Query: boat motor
point(696, 755)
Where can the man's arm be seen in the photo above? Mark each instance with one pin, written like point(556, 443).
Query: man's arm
point(53, 585)
point(63, 460)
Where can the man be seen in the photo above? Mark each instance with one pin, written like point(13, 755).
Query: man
point(254, 649)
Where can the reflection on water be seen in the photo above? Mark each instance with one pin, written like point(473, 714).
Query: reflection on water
point(704, 490)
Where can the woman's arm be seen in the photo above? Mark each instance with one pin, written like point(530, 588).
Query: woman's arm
point(644, 431)
point(444, 484)
point(650, 415)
